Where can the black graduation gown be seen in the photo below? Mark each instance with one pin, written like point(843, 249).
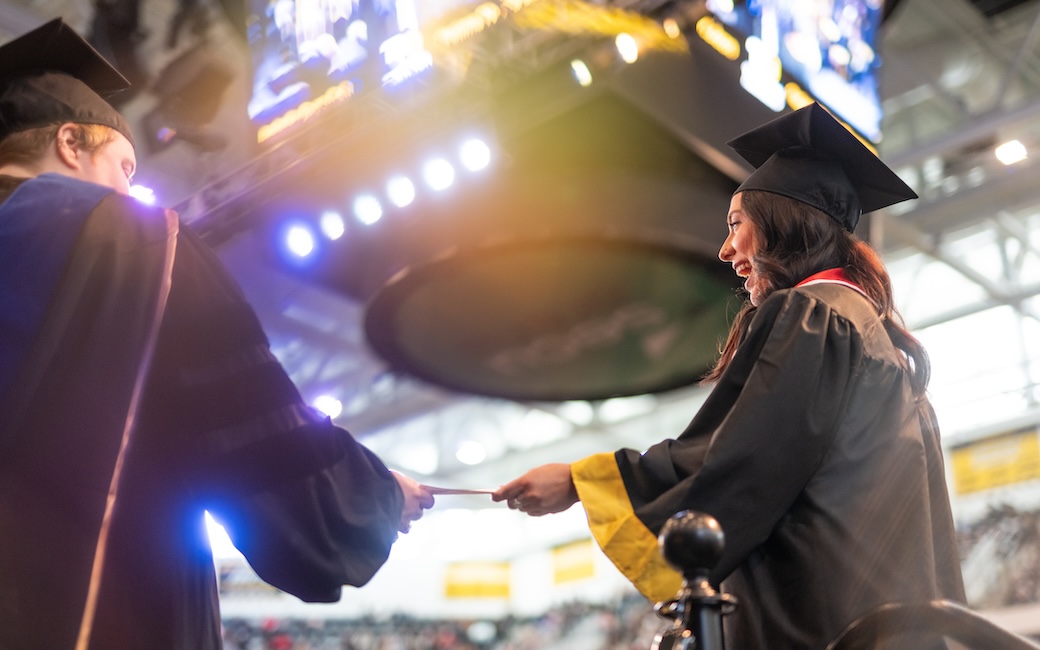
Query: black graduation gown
point(219, 426)
point(825, 474)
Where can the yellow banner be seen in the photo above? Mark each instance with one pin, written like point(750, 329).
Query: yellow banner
point(999, 460)
point(573, 561)
point(477, 580)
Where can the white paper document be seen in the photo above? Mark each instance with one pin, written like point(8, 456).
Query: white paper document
point(433, 489)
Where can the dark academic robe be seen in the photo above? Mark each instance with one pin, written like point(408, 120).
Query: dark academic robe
point(825, 475)
point(120, 329)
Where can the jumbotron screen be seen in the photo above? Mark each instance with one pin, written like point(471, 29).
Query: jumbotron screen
point(827, 47)
point(311, 54)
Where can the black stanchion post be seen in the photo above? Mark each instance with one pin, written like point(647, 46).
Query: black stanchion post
point(692, 542)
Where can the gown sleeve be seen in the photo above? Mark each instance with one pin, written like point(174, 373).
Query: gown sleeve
point(746, 455)
point(310, 507)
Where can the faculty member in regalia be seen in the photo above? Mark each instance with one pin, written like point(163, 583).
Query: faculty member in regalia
point(137, 391)
point(817, 450)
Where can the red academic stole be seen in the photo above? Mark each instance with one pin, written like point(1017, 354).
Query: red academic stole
point(832, 276)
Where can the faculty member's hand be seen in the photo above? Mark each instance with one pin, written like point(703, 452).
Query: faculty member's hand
point(541, 491)
point(416, 499)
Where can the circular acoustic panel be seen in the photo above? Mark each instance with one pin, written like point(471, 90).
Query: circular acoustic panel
point(577, 317)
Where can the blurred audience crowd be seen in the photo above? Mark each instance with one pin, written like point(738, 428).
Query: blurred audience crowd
point(629, 624)
point(1000, 555)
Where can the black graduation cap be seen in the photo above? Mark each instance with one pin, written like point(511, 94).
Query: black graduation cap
point(809, 156)
point(51, 75)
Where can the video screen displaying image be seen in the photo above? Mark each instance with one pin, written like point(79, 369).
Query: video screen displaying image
point(303, 48)
point(827, 46)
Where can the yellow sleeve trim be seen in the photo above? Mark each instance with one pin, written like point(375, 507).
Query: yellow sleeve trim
point(624, 539)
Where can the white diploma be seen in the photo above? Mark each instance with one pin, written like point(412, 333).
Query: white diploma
point(433, 489)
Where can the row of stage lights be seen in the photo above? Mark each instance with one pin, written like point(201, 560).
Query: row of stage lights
point(437, 174)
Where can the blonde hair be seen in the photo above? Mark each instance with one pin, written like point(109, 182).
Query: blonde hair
point(27, 147)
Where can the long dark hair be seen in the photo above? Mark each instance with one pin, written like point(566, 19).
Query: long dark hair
point(794, 241)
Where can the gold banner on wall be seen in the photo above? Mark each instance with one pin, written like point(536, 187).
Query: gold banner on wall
point(1000, 460)
point(477, 580)
point(573, 561)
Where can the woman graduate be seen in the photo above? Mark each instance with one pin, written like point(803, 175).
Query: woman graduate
point(817, 450)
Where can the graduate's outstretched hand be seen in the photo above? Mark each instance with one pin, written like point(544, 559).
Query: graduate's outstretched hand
point(541, 491)
point(416, 499)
